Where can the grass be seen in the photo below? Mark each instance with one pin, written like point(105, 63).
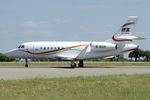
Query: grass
point(87, 63)
point(117, 87)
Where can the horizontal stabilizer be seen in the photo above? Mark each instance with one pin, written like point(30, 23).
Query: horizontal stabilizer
point(129, 37)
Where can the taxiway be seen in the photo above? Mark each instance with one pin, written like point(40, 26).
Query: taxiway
point(59, 72)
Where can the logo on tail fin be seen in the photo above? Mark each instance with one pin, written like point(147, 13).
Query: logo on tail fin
point(125, 30)
point(127, 27)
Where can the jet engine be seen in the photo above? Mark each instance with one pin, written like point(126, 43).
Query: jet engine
point(103, 46)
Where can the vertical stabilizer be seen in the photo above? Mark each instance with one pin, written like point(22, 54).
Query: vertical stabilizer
point(126, 30)
point(128, 27)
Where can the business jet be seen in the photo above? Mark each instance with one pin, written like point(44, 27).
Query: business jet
point(120, 43)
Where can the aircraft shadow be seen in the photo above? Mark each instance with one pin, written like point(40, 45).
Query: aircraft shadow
point(61, 67)
point(80, 67)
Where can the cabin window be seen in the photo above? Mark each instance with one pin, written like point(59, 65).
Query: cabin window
point(41, 48)
point(58, 47)
point(44, 48)
point(96, 46)
point(51, 48)
point(22, 46)
point(48, 48)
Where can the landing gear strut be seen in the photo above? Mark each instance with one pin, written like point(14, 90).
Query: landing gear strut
point(26, 63)
point(81, 64)
point(73, 64)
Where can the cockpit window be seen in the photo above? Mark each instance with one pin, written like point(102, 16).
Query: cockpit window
point(21, 46)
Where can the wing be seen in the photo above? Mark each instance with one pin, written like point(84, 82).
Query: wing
point(75, 52)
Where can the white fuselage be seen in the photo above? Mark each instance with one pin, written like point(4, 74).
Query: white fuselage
point(69, 50)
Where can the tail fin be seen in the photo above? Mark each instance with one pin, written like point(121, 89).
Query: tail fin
point(126, 31)
point(128, 27)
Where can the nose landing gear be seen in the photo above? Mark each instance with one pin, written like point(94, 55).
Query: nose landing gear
point(26, 63)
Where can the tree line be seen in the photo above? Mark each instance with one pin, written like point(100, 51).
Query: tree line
point(4, 58)
point(139, 54)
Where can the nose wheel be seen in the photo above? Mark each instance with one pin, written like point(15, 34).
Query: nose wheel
point(26, 63)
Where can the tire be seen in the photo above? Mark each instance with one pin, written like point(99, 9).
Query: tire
point(26, 66)
point(80, 65)
point(73, 65)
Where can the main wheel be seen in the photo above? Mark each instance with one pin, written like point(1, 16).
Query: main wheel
point(73, 65)
point(80, 65)
point(26, 65)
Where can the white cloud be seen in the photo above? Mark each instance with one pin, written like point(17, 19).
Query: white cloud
point(35, 24)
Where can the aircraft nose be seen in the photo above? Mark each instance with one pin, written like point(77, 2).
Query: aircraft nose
point(11, 53)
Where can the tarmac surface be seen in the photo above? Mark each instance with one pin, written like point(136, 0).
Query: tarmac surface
point(59, 72)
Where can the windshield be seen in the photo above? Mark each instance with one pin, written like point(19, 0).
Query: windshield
point(21, 46)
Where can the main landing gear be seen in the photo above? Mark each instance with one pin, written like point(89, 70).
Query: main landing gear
point(80, 64)
point(73, 64)
point(26, 63)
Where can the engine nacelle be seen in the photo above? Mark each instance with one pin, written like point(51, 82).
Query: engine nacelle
point(103, 46)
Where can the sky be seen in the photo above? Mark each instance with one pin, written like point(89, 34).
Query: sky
point(69, 20)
